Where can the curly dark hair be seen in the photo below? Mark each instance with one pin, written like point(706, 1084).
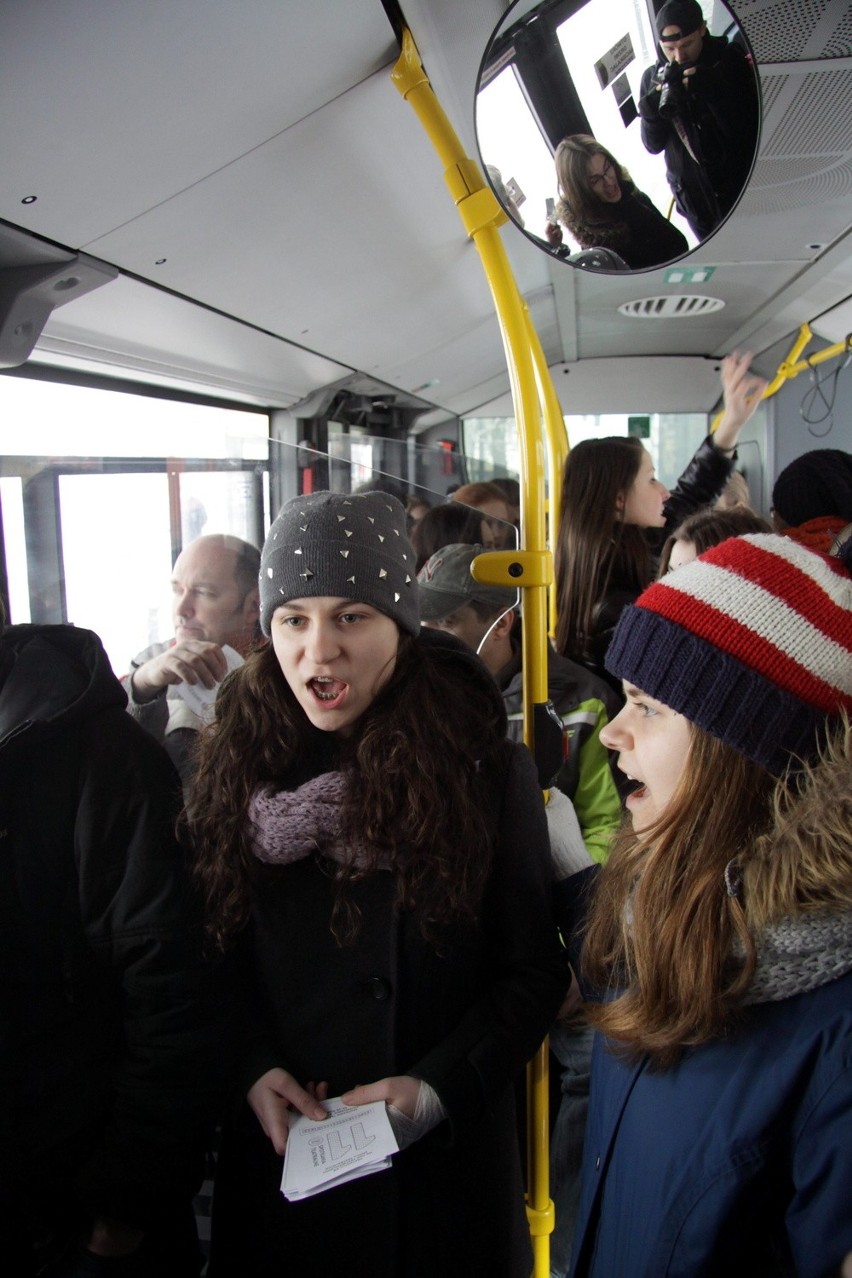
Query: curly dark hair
point(414, 774)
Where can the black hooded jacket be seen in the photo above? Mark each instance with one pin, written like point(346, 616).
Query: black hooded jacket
point(711, 142)
point(111, 1053)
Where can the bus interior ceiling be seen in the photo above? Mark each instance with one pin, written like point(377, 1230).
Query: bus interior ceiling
point(269, 219)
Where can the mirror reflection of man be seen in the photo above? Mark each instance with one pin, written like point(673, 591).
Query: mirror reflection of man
point(215, 604)
point(699, 104)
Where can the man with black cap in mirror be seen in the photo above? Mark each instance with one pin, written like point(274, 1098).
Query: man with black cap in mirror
point(699, 104)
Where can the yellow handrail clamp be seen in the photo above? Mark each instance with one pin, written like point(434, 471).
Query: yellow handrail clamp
point(480, 210)
point(462, 179)
point(787, 366)
point(408, 72)
point(520, 569)
point(541, 1222)
point(477, 204)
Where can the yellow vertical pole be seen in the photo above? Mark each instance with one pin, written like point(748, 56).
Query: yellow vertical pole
point(556, 440)
point(529, 568)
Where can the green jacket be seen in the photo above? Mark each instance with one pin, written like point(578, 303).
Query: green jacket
point(585, 704)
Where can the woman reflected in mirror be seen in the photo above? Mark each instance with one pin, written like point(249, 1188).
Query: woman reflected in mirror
point(600, 207)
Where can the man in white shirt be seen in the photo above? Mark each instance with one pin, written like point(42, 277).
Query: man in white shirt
point(215, 605)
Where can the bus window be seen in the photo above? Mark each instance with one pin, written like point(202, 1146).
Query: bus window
point(14, 546)
point(101, 489)
point(491, 443)
point(116, 550)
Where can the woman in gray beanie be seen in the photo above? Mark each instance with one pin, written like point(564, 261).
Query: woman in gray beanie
point(375, 855)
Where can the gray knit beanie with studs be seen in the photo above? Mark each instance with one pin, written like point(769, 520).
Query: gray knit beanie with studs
point(344, 545)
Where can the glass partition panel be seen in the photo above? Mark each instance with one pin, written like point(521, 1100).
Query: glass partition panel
point(445, 521)
point(117, 576)
point(101, 490)
point(436, 467)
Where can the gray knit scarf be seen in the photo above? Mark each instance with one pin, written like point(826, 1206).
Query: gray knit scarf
point(289, 825)
point(793, 956)
point(800, 954)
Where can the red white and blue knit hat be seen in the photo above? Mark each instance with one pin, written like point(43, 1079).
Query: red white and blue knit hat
point(752, 642)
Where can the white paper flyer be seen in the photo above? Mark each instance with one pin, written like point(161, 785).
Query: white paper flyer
point(353, 1141)
point(201, 699)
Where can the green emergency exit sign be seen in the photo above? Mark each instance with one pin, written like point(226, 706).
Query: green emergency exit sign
point(689, 274)
point(639, 427)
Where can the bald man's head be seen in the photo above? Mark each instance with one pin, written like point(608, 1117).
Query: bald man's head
point(215, 592)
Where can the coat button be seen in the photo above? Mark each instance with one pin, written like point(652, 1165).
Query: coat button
point(378, 989)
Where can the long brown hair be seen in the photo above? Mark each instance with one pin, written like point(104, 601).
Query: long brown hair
point(706, 528)
point(414, 782)
point(595, 548)
point(579, 206)
point(662, 928)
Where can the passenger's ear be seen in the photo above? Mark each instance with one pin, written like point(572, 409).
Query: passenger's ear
point(619, 503)
point(252, 606)
point(504, 624)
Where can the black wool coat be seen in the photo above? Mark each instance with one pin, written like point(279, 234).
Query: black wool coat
point(720, 119)
point(465, 1019)
point(634, 228)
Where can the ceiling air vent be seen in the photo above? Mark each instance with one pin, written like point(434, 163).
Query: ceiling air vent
point(671, 306)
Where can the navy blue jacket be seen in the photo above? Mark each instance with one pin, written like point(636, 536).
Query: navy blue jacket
point(748, 1169)
point(735, 1162)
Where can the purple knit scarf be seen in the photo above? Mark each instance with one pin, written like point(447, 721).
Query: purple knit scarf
point(289, 825)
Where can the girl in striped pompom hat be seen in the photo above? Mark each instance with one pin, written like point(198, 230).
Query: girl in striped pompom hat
point(718, 948)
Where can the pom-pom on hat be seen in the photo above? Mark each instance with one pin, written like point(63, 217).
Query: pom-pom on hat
point(343, 545)
point(752, 642)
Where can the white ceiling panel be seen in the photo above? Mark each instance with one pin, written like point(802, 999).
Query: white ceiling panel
point(128, 326)
point(626, 385)
point(111, 106)
point(255, 157)
point(325, 264)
